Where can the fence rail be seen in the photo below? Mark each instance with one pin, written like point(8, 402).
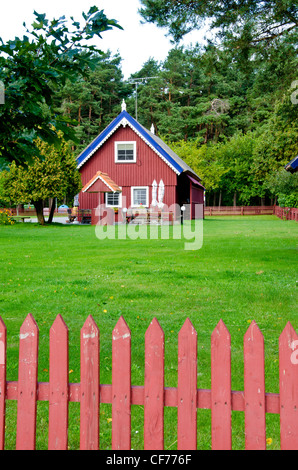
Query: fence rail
point(239, 210)
point(153, 395)
point(286, 213)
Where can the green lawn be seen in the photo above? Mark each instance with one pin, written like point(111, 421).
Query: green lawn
point(246, 269)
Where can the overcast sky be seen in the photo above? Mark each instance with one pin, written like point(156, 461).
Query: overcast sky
point(136, 44)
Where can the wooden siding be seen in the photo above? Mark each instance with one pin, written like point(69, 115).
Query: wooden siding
point(149, 166)
point(197, 202)
point(197, 196)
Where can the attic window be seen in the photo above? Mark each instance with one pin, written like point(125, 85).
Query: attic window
point(125, 152)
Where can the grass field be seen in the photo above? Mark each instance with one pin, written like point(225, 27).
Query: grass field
point(246, 269)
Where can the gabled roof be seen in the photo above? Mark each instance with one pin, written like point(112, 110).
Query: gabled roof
point(154, 142)
point(292, 166)
point(101, 182)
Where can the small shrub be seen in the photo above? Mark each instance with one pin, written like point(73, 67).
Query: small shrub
point(290, 200)
point(6, 217)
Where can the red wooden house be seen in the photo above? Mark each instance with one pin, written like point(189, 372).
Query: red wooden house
point(128, 167)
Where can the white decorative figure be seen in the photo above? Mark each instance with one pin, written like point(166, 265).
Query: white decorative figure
point(154, 194)
point(161, 192)
point(123, 106)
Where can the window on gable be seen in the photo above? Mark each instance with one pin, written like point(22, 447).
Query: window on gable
point(125, 152)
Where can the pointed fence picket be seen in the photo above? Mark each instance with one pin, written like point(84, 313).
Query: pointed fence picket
point(221, 405)
point(154, 388)
point(288, 380)
point(254, 389)
point(89, 387)
point(3, 341)
point(187, 387)
point(121, 387)
point(154, 396)
point(58, 399)
point(27, 385)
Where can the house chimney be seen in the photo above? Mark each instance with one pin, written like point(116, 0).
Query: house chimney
point(152, 130)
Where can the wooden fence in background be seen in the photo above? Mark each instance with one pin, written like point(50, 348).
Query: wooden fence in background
point(286, 213)
point(239, 210)
point(153, 395)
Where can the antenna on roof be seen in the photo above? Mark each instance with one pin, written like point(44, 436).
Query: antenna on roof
point(137, 82)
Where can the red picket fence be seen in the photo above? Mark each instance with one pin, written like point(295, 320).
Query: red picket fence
point(154, 396)
point(286, 213)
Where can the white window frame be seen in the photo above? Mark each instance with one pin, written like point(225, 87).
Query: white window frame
point(113, 205)
point(134, 151)
point(147, 195)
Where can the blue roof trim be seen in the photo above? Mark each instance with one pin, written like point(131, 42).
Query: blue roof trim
point(293, 163)
point(124, 114)
point(152, 142)
point(97, 141)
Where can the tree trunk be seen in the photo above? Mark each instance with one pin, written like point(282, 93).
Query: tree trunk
point(39, 211)
point(235, 199)
point(220, 198)
point(20, 207)
point(206, 135)
point(214, 199)
point(51, 214)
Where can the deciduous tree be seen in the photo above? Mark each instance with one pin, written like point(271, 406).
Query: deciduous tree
point(53, 176)
point(32, 69)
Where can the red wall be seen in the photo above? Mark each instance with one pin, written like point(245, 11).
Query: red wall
point(197, 195)
point(149, 166)
point(197, 202)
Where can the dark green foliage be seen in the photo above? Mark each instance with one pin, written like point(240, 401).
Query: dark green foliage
point(249, 21)
point(32, 69)
point(94, 100)
point(240, 107)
